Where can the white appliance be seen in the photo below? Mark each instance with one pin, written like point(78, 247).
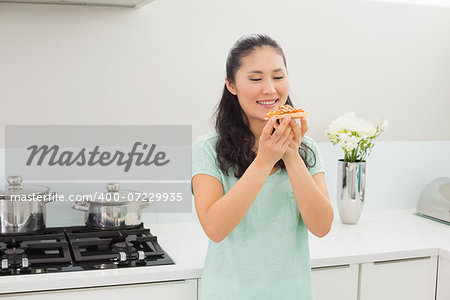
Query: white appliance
point(120, 3)
point(434, 202)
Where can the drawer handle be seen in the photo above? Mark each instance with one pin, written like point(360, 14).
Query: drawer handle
point(330, 267)
point(400, 260)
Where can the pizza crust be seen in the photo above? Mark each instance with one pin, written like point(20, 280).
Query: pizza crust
point(297, 115)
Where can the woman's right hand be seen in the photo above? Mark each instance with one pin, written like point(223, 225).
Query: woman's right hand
point(272, 146)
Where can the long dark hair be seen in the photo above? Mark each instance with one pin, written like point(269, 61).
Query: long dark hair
point(235, 140)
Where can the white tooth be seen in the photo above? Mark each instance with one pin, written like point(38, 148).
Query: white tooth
point(267, 102)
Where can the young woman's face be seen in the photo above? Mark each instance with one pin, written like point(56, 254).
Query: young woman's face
point(261, 84)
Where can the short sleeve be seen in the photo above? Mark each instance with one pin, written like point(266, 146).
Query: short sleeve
point(313, 156)
point(204, 158)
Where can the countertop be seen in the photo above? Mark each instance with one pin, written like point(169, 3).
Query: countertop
point(378, 236)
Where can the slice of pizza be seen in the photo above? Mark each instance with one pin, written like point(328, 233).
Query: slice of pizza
point(286, 110)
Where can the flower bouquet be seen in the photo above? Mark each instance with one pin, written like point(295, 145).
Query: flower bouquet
point(355, 136)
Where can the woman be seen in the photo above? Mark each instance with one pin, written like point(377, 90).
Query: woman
point(258, 186)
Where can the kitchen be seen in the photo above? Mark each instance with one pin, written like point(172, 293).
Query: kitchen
point(98, 65)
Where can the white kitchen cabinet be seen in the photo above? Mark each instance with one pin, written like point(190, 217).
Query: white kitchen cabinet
point(169, 290)
point(443, 286)
point(410, 278)
point(335, 282)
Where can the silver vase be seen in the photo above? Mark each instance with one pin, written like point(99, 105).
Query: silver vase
point(351, 186)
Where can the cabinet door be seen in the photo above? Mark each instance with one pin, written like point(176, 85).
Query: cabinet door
point(412, 279)
point(180, 290)
point(335, 282)
point(443, 286)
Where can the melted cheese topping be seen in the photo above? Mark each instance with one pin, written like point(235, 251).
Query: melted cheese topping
point(282, 110)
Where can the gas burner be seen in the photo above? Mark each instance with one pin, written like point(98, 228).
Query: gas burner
point(125, 250)
point(14, 258)
point(124, 246)
point(78, 248)
point(14, 254)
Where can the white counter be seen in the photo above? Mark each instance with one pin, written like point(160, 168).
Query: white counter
point(378, 236)
point(381, 236)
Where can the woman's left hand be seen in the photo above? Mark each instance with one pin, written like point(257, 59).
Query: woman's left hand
point(296, 136)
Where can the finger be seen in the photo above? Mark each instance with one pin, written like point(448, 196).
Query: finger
point(284, 135)
point(304, 127)
point(288, 141)
point(276, 124)
point(295, 128)
point(281, 128)
point(267, 130)
point(287, 132)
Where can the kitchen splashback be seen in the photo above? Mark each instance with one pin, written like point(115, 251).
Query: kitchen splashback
point(397, 172)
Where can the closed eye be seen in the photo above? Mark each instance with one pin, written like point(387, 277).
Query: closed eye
point(255, 79)
point(280, 77)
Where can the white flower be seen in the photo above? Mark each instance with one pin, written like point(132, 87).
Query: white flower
point(349, 142)
point(367, 130)
point(351, 133)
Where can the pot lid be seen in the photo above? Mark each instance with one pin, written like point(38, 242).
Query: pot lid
point(15, 187)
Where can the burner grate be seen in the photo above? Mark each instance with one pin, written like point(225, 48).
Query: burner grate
point(101, 247)
point(78, 248)
point(39, 248)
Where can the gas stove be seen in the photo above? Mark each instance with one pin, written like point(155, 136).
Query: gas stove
point(77, 248)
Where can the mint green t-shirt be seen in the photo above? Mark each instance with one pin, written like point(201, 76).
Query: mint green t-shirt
point(267, 255)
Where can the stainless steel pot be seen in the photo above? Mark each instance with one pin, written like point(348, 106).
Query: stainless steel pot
point(23, 207)
point(115, 209)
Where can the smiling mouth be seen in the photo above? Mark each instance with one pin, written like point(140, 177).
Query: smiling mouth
point(267, 102)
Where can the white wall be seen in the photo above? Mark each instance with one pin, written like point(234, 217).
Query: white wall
point(98, 65)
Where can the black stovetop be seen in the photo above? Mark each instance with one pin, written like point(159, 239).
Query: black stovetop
point(77, 248)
